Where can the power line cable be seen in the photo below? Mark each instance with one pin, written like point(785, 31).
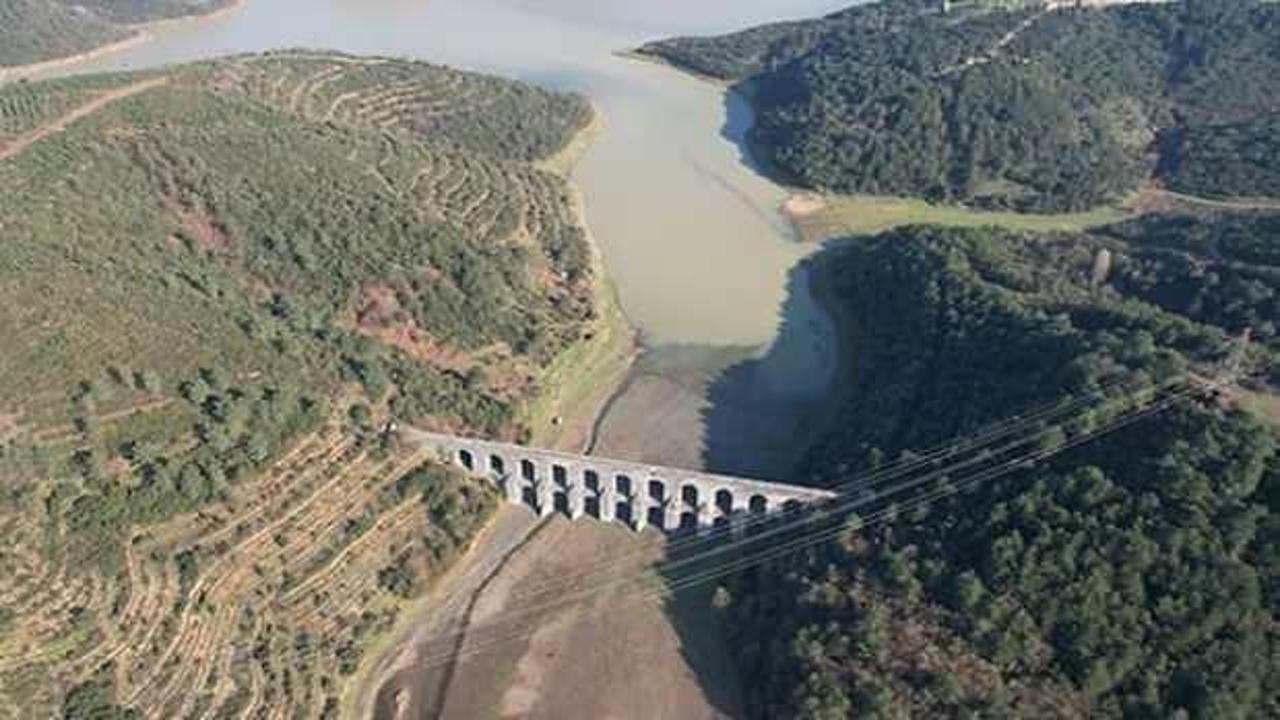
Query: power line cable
point(807, 540)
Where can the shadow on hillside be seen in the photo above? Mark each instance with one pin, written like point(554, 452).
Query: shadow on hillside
point(759, 418)
point(760, 414)
point(739, 120)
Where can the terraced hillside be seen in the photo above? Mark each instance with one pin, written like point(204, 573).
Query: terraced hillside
point(33, 31)
point(258, 605)
point(217, 282)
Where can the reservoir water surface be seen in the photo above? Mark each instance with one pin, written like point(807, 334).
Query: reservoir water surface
point(704, 263)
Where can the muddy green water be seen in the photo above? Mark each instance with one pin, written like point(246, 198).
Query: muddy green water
point(703, 262)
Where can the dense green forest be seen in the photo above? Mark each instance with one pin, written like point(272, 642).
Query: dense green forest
point(37, 30)
point(1136, 576)
point(1022, 108)
point(1235, 159)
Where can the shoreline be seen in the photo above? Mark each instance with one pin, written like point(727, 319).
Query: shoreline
point(845, 330)
point(607, 357)
point(18, 73)
point(635, 55)
point(751, 154)
point(579, 383)
point(817, 216)
point(839, 363)
point(140, 33)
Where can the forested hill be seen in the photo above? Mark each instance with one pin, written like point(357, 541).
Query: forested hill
point(218, 282)
point(33, 31)
point(1024, 108)
point(1136, 576)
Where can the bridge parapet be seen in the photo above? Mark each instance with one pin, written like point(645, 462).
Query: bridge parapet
point(637, 494)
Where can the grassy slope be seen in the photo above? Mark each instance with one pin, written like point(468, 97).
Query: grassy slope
point(838, 215)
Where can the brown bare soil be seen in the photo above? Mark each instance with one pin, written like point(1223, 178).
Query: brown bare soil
point(400, 683)
point(200, 225)
point(614, 654)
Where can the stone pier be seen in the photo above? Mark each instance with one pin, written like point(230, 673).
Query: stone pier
point(581, 486)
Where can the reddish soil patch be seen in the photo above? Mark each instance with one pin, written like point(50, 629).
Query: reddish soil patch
point(200, 225)
point(378, 313)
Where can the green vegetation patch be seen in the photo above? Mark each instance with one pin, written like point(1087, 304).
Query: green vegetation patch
point(33, 31)
point(36, 30)
point(219, 283)
point(1134, 576)
point(191, 275)
point(1022, 108)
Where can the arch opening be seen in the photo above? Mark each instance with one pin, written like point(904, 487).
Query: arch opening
point(657, 489)
point(689, 495)
point(591, 480)
point(622, 512)
point(688, 522)
point(529, 496)
point(622, 484)
point(591, 506)
point(758, 505)
point(560, 502)
point(657, 518)
point(527, 469)
point(724, 501)
point(466, 459)
point(560, 476)
point(497, 465)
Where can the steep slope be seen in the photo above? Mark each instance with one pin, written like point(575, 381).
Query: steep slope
point(1031, 108)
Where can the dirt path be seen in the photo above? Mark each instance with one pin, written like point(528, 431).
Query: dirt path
point(393, 688)
point(996, 48)
point(67, 431)
point(1237, 204)
point(608, 654)
point(22, 142)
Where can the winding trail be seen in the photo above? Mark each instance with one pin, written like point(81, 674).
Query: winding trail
point(15, 146)
point(996, 48)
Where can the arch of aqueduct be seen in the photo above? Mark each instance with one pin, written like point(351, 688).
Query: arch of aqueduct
point(636, 494)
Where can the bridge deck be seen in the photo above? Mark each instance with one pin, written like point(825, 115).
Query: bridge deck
point(617, 489)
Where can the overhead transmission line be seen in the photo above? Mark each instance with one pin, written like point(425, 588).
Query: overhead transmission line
point(868, 486)
point(808, 539)
point(836, 509)
point(790, 547)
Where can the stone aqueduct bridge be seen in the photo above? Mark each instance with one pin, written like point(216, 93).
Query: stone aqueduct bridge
point(613, 490)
